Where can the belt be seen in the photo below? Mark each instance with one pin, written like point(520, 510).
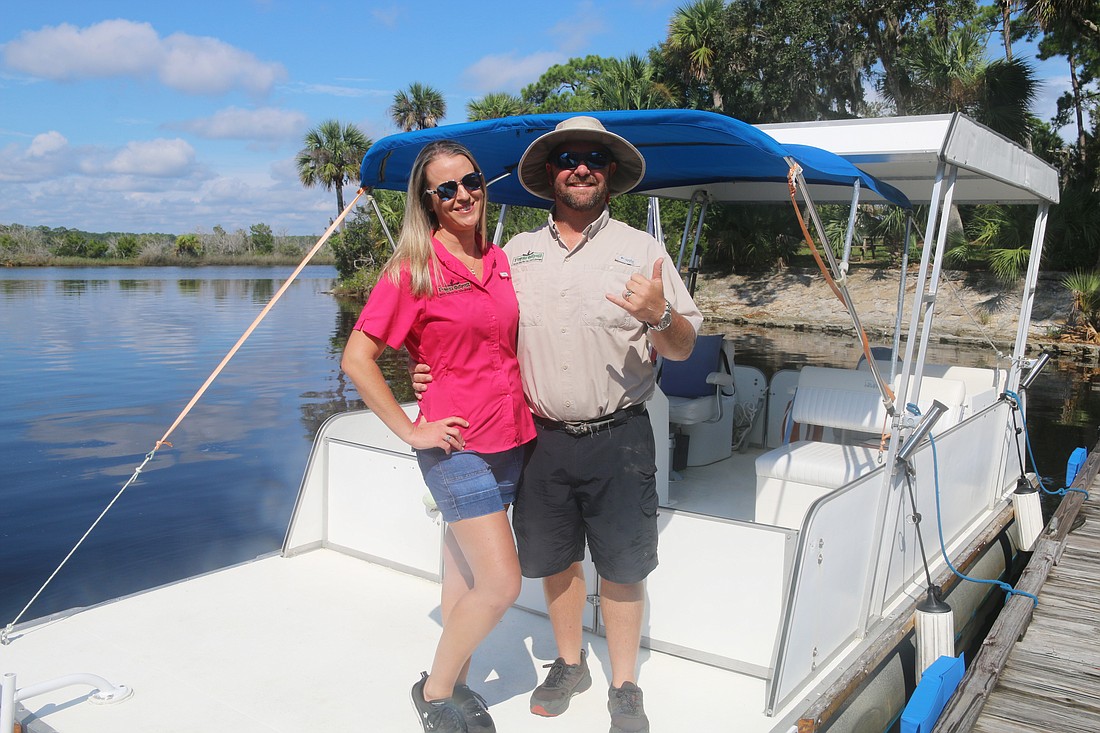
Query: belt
point(586, 427)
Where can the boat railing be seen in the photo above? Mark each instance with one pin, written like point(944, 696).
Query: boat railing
point(850, 573)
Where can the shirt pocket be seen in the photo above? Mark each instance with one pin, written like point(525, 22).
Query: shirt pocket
point(599, 312)
point(532, 286)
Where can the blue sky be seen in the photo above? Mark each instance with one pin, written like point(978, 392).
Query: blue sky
point(176, 117)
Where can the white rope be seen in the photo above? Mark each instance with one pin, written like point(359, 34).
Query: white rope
point(5, 634)
point(962, 303)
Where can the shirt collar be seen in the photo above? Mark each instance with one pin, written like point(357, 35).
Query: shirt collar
point(589, 232)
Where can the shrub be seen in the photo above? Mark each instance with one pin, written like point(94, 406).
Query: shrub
point(188, 245)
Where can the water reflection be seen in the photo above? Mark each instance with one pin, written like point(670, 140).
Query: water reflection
point(87, 397)
point(394, 364)
point(79, 287)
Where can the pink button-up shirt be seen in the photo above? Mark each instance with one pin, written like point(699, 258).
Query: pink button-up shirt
point(467, 333)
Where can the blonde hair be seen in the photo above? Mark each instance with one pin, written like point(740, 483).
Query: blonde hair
point(414, 246)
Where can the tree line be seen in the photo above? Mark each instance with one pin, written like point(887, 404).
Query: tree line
point(800, 60)
point(22, 245)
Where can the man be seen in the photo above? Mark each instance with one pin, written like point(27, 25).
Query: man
point(594, 296)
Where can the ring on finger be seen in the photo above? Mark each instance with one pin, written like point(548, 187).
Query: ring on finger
point(627, 293)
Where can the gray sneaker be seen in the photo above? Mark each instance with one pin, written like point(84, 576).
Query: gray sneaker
point(563, 681)
point(474, 709)
point(437, 716)
point(625, 705)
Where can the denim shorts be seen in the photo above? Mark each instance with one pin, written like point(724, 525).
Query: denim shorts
point(465, 484)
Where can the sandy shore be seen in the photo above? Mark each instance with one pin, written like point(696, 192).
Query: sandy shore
point(969, 307)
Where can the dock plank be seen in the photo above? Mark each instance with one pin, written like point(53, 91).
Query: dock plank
point(1039, 668)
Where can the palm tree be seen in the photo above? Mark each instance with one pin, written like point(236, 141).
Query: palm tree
point(696, 31)
point(418, 107)
point(630, 83)
point(1084, 316)
point(496, 105)
point(1048, 12)
point(331, 157)
point(951, 74)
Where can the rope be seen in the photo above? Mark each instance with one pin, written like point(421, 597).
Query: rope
point(792, 189)
point(1043, 481)
point(955, 291)
point(1009, 590)
point(4, 635)
point(863, 340)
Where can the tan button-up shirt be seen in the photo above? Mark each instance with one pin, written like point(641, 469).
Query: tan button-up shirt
point(581, 356)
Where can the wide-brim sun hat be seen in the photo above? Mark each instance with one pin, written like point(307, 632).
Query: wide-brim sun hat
point(629, 163)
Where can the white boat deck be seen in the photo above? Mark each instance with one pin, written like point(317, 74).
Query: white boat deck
point(723, 489)
point(321, 641)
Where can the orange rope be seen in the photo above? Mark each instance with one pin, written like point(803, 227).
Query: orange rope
point(263, 314)
point(6, 631)
point(810, 240)
point(864, 342)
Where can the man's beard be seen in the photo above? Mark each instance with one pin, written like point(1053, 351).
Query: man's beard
point(583, 199)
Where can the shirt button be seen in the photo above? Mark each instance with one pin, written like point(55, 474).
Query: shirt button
point(565, 367)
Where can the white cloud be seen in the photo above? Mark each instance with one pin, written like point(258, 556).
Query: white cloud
point(207, 65)
point(124, 48)
point(46, 144)
point(160, 158)
point(235, 123)
point(46, 156)
point(338, 90)
point(509, 73)
point(109, 48)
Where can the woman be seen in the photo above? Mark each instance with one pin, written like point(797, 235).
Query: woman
point(447, 296)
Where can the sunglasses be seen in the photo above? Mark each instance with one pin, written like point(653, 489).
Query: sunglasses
point(449, 189)
point(593, 160)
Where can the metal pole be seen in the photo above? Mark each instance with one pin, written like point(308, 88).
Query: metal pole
point(7, 704)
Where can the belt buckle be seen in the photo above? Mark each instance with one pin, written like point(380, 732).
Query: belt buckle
point(596, 426)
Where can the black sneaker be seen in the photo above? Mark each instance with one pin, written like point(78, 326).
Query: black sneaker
point(474, 709)
point(437, 716)
point(552, 697)
point(625, 705)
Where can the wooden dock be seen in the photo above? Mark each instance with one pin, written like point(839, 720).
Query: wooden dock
point(1039, 667)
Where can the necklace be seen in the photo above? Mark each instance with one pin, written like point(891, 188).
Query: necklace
point(461, 256)
point(474, 267)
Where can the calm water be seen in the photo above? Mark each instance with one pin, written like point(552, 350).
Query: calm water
point(96, 363)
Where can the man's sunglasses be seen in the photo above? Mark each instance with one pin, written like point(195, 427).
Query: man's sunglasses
point(594, 160)
point(449, 189)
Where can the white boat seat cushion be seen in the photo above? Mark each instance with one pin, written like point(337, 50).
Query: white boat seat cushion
point(828, 465)
point(690, 409)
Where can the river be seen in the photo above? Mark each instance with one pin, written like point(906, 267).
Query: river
point(97, 363)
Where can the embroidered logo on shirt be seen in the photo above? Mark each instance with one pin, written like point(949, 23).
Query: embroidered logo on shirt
point(452, 288)
point(528, 256)
point(623, 259)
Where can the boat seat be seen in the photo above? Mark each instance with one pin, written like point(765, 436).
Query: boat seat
point(829, 465)
point(792, 477)
point(701, 399)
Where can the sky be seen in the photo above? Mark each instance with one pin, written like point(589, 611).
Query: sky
point(179, 117)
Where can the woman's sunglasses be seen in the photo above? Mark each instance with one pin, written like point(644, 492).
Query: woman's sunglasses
point(594, 160)
point(449, 189)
